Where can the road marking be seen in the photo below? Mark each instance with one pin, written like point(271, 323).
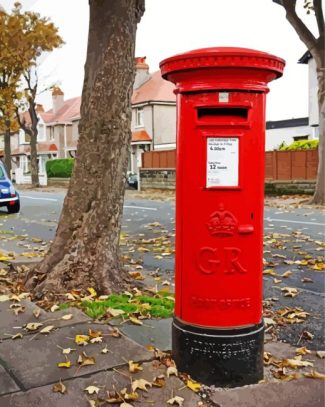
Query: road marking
point(140, 207)
point(39, 199)
point(294, 221)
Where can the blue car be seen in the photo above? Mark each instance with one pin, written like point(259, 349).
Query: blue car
point(9, 197)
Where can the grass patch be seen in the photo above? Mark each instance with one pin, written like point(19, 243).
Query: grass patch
point(159, 306)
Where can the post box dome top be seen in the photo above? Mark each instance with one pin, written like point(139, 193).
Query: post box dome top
point(222, 59)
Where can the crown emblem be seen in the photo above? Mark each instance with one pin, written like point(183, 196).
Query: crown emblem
point(222, 223)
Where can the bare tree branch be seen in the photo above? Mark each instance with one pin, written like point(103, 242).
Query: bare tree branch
point(302, 30)
point(319, 16)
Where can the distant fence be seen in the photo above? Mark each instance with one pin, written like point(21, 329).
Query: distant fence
point(291, 165)
point(279, 165)
point(159, 159)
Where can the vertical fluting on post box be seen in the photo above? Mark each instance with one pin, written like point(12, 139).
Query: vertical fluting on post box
point(218, 329)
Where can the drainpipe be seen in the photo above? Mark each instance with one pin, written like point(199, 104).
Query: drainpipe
point(153, 126)
point(65, 141)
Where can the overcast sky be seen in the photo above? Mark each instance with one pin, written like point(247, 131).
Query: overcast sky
point(169, 27)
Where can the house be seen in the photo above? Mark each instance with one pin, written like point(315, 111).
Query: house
point(153, 124)
point(303, 128)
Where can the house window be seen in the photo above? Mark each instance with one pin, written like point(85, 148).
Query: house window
point(139, 118)
point(23, 137)
point(24, 164)
point(298, 138)
point(51, 133)
point(41, 136)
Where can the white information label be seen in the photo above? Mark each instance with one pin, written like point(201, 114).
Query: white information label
point(222, 162)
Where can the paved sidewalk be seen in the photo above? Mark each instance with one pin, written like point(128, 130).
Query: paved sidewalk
point(29, 365)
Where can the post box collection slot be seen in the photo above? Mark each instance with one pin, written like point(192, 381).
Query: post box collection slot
point(222, 114)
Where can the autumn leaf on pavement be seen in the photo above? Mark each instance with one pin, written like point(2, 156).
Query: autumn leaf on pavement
point(92, 292)
point(289, 291)
point(134, 367)
point(129, 396)
point(320, 354)
point(65, 364)
point(307, 335)
point(140, 384)
point(105, 350)
point(176, 401)
point(94, 334)
point(67, 317)
point(59, 388)
point(172, 370)
point(36, 312)
point(66, 351)
point(136, 275)
point(286, 274)
point(135, 321)
point(115, 332)
point(315, 375)
point(124, 404)
point(98, 339)
point(33, 326)
point(295, 363)
point(159, 381)
point(85, 360)
point(115, 312)
point(92, 389)
point(47, 329)
point(270, 272)
point(302, 351)
point(196, 387)
point(54, 308)
point(283, 375)
point(82, 339)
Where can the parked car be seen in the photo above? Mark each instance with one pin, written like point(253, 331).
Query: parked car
point(9, 197)
point(132, 179)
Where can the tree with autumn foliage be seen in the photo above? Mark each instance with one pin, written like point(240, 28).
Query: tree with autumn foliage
point(316, 46)
point(84, 252)
point(24, 37)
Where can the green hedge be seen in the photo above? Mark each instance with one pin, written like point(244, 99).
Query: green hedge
point(61, 168)
point(300, 145)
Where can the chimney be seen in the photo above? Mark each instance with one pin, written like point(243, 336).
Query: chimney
point(39, 108)
point(142, 72)
point(57, 99)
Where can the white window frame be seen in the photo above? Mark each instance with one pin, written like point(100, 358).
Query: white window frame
point(139, 113)
point(23, 164)
point(41, 136)
point(22, 137)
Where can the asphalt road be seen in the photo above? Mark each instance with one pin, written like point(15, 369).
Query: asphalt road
point(291, 235)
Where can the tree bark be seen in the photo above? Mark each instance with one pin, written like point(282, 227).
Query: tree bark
point(316, 47)
point(7, 149)
point(33, 138)
point(85, 250)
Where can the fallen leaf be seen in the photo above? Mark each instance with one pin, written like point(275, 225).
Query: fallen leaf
point(159, 381)
point(289, 291)
point(99, 339)
point(47, 329)
point(306, 280)
point(140, 384)
point(269, 321)
point(270, 272)
point(94, 334)
point(315, 375)
point(36, 312)
point(67, 317)
point(115, 312)
point(277, 280)
point(172, 370)
point(59, 388)
point(82, 339)
point(129, 396)
point(66, 351)
point(4, 298)
point(66, 364)
point(196, 387)
point(17, 336)
point(307, 335)
point(92, 292)
point(54, 308)
point(33, 326)
point(124, 404)
point(294, 363)
point(136, 275)
point(134, 367)
point(321, 354)
point(135, 321)
point(92, 389)
point(302, 351)
point(85, 360)
point(178, 401)
point(115, 333)
point(105, 350)
point(286, 274)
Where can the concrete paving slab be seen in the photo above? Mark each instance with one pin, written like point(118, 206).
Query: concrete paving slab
point(7, 384)
point(9, 320)
point(156, 332)
point(11, 324)
point(33, 360)
point(297, 393)
point(106, 381)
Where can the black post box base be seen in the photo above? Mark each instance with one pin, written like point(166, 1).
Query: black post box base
point(223, 358)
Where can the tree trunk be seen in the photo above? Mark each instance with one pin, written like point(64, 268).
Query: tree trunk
point(33, 159)
point(7, 149)
point(85, 250)
point(319, 196)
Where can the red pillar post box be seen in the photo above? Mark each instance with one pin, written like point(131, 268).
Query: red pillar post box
point(218, 327)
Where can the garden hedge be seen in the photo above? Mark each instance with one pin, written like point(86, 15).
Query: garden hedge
point(60, 168)
point(300, 145)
